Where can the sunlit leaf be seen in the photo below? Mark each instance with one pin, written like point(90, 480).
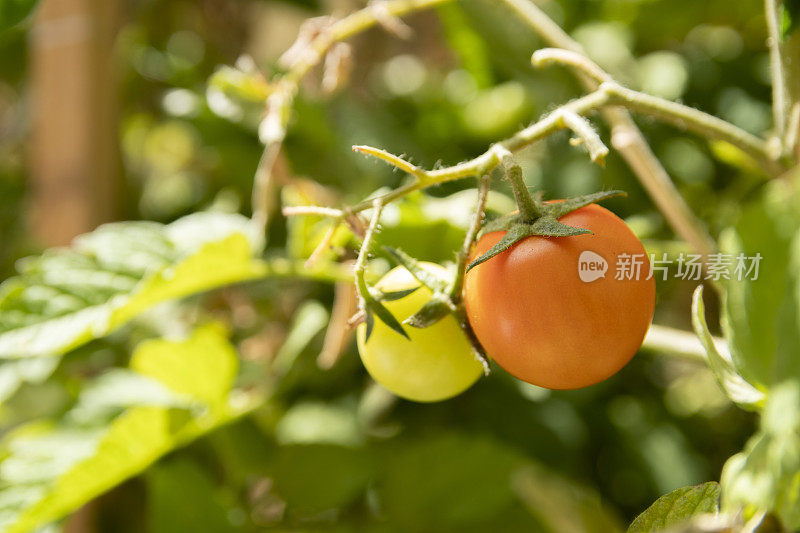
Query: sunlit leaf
point(48, 472)
point(765, 476)
point(761, 316)
point(678, 506)
point(66, 298)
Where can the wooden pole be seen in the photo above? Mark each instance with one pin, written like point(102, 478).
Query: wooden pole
point(74, 161)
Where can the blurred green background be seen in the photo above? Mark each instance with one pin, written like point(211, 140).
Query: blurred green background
point(331, 451)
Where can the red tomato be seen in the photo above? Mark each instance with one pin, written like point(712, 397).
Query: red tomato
point(539, 320)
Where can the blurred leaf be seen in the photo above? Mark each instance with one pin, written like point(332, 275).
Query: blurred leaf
point(119, 389)
point(316, 422)
point(736, 388)
point(562, 505)
point(201, 367)
point(12, 12)
point(31, 370)
point(305, 233)
point(445, 481)
point(48, 472)
point(467, 43)
point(317, 477)
point(181, 497)
point(760, 316)
point(678, 506)
point(791, 17)
point(765, 476)
point(309, 320)
point(65, 298)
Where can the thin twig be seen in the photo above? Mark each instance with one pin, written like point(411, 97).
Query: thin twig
point(301, 210)
point(285, 88)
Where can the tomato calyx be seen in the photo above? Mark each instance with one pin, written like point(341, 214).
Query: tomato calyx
point(544, 223)
point(440, 303)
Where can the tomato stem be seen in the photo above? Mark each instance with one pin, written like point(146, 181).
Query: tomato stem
point(529, 209)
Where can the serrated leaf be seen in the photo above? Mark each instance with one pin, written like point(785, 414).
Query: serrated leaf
point(432, 312)
point(732, 383)
point(678, 506)
point(426, 277)
point(48, 472)
point(203, 252)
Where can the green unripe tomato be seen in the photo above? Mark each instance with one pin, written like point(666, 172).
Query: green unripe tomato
point(435, 364)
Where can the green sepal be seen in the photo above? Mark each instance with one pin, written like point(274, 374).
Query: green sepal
point(434, 282)
point(430, 313)
point(559, 209)
point(375, 307)
point(391, 296)
point(512, 236)
point(547, 225)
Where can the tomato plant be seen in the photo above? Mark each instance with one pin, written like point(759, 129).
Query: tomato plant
point(538, 319)
point(237, 354)
point(434, 363)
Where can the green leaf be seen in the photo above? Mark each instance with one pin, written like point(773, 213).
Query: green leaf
point(313, 478)
point(48, 472)
point(791, 17)
point(765, 476)
point(678, 506)
point(12, 12)
point(66, 298)
point(182, 497)
point(446, 481)
point(208, 378)
point(761, 317)
point(309, 320)
point(562, 504)
point(732, 383)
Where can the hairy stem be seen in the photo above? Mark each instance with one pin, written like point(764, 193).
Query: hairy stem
point(472, 233)
point(781, 105)
point(629, 140)
point(696, 121)
point(361, 263)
